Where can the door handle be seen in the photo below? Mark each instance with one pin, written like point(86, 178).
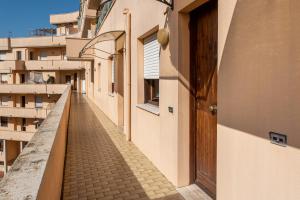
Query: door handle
point(213, 109)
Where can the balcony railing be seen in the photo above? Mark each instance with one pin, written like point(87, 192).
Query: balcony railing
point(5, 44)
point(39, 113)
point(16, 135)
point(64, 18)
point(104, 10)
point(54, 65)
point(32, 88)
point(6, 66)
point(44, 41)
point(37, 173)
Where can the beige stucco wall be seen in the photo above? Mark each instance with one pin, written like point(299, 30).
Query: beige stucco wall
point(243, 159)
point(258, 93)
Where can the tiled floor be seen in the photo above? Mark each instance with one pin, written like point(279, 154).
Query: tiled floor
point(193, 192)
point(100, 164)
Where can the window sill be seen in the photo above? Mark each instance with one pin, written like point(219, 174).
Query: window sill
point(149, 108)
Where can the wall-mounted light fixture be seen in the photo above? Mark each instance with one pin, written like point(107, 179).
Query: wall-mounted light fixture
point(163, 37)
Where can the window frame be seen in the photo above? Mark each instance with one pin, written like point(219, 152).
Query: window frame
point(5, 124)
point(38, 104)
point(151, 84)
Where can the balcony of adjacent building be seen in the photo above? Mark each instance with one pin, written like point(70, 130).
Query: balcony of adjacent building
point(7, 66)
point(5, 44)
point(53, 65)
point(21, 136)
point(32, 88)
point(41, 41)
point(23, 112)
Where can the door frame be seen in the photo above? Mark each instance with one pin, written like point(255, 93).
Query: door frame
point(192, 121)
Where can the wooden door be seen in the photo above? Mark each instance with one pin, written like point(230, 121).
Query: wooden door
point(204, 38)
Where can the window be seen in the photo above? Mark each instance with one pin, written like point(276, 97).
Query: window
point(5, 101)
point(4, 78)
point(19, 55)
point(31, 55)
point(99, 77)
point(64, 56)
point(1, 145)
point(111, 75)
point(38, 77)
point(4, 122)
point(2, 55)
point(151, 70)
point(23, 101)
point(23, 126)
point(38, 102)
point(43, 55)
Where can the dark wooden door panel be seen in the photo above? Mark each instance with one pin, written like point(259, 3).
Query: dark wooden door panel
point(204, 38)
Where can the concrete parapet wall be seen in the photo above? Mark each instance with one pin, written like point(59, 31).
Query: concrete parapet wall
point(38, 171)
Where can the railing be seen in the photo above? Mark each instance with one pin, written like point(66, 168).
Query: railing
point(53, 65)
point(103, 12)
point(39, 113)
point(23, 136)
point(43, 41)
point(64, 18)
point(37, 173)
point(8, 65)
point(5, 44)
point(32, 88)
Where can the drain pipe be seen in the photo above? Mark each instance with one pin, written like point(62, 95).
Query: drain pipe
point(128, 71)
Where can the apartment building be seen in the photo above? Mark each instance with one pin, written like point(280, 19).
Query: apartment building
point(207, 90)
point(194, 84)
point(32, 71)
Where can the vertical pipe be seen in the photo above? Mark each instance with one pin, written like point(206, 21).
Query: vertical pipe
point(128, 73)
point(5, 156)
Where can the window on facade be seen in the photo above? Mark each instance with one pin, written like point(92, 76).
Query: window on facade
point(31, 55)
point(92, 73)
point(4, 78)
point(64, 55)
point(2, 55)
point(99, 77)
point(23, 126)
point(1, 145)
point(151, 70)
point(38, 77)
point(5, 101)
point(19, 55)
point(38, 102)
point(4, 122)
point(43, 55)
point(111, 76)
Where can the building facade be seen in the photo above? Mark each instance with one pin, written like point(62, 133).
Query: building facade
point(33, 71)
point(191, 85)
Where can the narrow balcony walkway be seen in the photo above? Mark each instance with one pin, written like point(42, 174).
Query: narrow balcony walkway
point(100, 164)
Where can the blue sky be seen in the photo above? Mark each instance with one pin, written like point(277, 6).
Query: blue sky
point(21, 16)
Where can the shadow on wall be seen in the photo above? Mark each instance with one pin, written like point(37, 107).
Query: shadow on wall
point(95, 168)
point(259, 77)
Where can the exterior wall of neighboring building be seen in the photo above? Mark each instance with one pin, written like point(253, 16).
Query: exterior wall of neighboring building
point(22, 61)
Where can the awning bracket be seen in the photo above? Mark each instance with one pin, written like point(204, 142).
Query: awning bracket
point(169, 3)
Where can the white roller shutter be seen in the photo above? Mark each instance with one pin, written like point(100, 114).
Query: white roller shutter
point(151, 57)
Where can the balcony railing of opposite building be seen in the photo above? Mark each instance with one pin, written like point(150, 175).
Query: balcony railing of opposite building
point(37, 173)
point(32, 88)
point(102, 13)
